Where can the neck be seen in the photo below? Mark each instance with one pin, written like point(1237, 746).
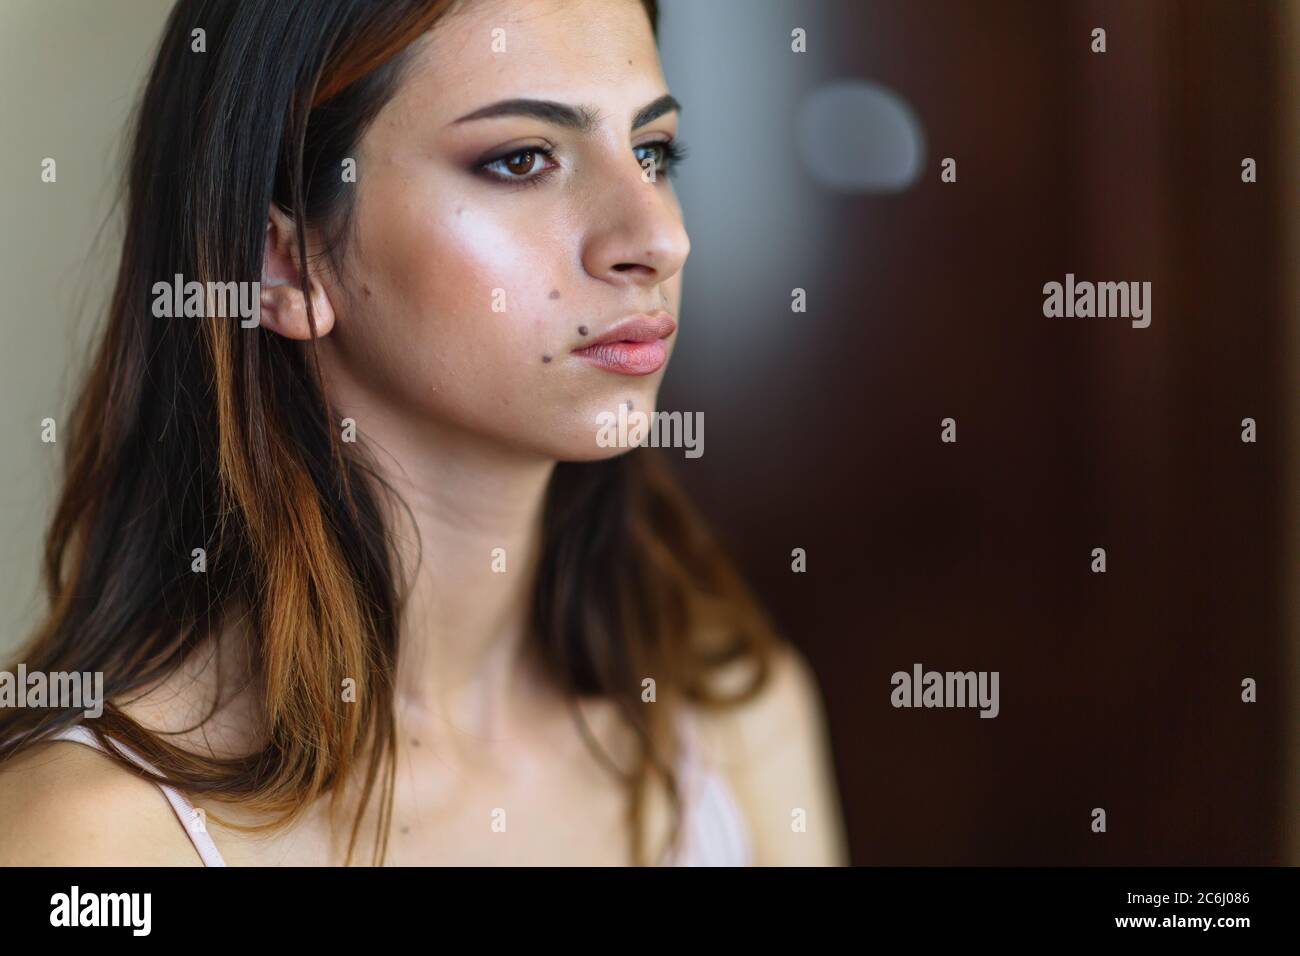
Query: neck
point(468, 548)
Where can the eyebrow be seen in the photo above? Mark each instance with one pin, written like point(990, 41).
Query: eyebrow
point(580, 118)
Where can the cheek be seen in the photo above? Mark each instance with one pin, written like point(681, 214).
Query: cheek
point(476, 280)
point(467, 314)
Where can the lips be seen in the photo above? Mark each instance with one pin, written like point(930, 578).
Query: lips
point(634, 346)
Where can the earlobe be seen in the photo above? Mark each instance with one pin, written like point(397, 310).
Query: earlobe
point(283, 305)
point(284, 310)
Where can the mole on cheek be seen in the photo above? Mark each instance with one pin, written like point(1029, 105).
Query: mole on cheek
point(555, 293)
point(546, 358)
point(582, 330)
point(365, 288)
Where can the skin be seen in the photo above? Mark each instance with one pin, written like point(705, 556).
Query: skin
point(469, 421)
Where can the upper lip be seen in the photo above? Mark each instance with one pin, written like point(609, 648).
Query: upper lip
point(636, 328)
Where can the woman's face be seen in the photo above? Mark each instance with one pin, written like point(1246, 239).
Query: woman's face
point(487, 253)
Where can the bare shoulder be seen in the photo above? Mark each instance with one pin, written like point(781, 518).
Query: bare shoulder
point(65, 804)
point(774, 751)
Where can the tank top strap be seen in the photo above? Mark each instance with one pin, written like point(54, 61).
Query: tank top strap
point(716, 832)
point(191, 818)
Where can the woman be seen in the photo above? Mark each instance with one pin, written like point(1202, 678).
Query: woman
point(362, 584)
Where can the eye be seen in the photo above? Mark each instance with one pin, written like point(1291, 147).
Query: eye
point(665, 155)
point(518, 166)
point(526, 167)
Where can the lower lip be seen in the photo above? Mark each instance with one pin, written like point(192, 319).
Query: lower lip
point(626, 358)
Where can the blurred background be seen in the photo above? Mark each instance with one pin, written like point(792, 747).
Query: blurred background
point(821, 171)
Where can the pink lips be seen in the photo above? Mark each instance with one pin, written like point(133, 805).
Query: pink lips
point(634, 346)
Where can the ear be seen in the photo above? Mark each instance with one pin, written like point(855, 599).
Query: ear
point(283, 306)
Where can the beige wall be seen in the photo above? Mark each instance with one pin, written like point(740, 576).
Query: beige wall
point(69, 71)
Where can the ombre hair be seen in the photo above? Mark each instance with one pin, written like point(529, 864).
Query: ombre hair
point(201, 433)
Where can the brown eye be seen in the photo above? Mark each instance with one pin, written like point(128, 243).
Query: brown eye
point(521, 164)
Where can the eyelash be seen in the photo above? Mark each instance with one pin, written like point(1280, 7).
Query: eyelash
point(673, 152)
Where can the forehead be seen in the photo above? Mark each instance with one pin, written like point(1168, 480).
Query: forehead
point(600, 52)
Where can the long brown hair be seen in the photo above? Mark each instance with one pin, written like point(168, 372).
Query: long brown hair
point(199, 432)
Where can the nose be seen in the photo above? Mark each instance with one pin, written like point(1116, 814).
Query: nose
point(635, 236)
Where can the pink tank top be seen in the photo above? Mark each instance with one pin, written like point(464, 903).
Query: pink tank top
point(715, 833)
point(714, 827)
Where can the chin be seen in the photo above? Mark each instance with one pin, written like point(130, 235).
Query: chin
point(596, 434)
point(593, 454)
